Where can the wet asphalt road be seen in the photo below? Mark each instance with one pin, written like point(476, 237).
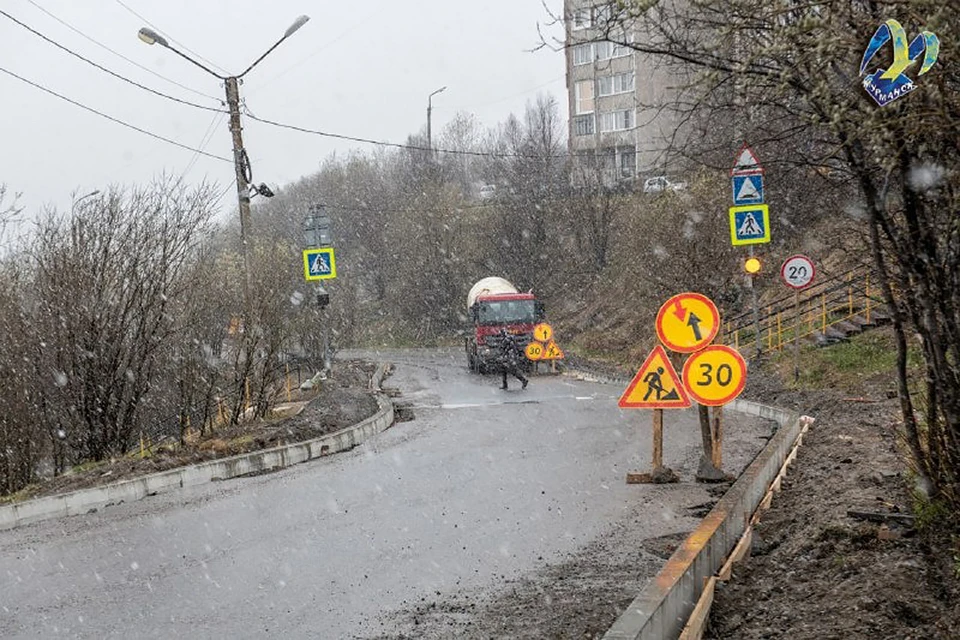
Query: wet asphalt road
point(481, 487)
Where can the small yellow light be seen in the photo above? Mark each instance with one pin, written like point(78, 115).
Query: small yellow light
point(752, 266)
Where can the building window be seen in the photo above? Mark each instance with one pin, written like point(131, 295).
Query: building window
point(617, 121)
point(602, 14)
point(607, 50)
point(583, 125)
point(581, 19)
point(583, 94)
point(628, 162)
point(619, 83)
point(583, 54)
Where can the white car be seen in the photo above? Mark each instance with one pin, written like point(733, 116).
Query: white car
point(657, 184)
point(488, 191)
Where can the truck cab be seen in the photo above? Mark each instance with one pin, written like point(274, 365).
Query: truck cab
point(517, 313)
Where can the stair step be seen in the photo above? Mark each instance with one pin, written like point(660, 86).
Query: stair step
point(847, 328)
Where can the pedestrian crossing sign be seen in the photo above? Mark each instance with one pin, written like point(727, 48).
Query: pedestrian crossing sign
point(656, 385)
point(749, 224)
point(319, 264)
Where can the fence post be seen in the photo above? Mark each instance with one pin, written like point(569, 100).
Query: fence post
point(850, 295)
point(779, 333)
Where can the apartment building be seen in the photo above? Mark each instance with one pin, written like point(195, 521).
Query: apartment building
point(612, 91)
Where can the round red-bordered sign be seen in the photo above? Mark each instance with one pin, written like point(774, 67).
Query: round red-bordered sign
point(716, 375)
point(797, 272)
point(687, 322)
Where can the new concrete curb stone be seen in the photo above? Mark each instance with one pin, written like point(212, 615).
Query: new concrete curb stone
point(87, 500)
point(662, 608)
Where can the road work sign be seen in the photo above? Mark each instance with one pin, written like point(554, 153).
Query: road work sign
point(319, 264)
point(534, 351)
point(687, 322)
point(656, 385)
point(715, 375)
point(552, 352)
point(543, 332)
point(749, 224)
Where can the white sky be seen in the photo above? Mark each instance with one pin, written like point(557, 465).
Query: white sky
point(357, 68)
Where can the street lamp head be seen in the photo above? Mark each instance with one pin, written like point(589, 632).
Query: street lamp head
point(152, 37)
point(299, 22)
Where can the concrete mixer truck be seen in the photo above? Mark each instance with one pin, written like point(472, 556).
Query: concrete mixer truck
point(494, 304)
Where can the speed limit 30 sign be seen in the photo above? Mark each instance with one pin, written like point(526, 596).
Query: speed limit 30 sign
point(797, 271)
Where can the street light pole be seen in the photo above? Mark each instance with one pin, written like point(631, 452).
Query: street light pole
point(429, 117)
point(242, 169)
point(240, 161)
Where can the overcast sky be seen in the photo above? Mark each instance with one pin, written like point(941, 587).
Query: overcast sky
point(357, 68)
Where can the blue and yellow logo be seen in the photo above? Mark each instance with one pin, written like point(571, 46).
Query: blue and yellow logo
point(886, 85)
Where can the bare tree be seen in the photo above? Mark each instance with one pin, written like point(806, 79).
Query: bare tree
point(105, 282)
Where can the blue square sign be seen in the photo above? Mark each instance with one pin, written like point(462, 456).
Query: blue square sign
point(747, 189)
point(749, 224)
point(319, 264)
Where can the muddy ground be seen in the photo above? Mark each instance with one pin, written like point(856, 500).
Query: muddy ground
point(340, 402)
point(818, 573)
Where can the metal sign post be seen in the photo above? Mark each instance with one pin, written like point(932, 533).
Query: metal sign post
point(797, 272)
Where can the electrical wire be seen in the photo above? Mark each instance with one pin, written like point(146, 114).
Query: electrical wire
point(397, 145)
point(120, 55)
point(105, 70)
point(112, 119)
point(179, 44)
point(204, 141)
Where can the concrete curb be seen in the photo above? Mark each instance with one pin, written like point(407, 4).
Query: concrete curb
point(87, 500)
point(662, 608)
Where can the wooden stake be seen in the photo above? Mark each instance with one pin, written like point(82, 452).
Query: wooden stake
point(657, 438)
point(717, 428)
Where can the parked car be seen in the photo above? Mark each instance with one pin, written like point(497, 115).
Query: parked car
point(657, 184)
point(488, 191)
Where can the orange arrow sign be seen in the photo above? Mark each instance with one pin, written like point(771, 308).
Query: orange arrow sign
point(656, 385)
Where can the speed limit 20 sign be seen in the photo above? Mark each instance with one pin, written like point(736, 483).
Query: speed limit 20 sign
point(797, 272)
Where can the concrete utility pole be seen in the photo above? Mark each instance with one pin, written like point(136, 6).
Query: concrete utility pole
point(240, 161)
point(242, 169)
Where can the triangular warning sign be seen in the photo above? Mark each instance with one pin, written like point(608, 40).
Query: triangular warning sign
point(748, 191)
point(552, 352)
point(656, 385)
point(746, 162)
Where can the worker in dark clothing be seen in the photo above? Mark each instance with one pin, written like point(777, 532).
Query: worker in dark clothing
point(510, 359)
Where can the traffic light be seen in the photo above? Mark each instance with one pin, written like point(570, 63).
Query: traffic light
point(752, 265)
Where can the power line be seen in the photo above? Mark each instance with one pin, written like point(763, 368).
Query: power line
point(112, 119)
point(204, 141)
point(105, 70)
point(397, 145)
point(180, 44)
point(120, 55)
